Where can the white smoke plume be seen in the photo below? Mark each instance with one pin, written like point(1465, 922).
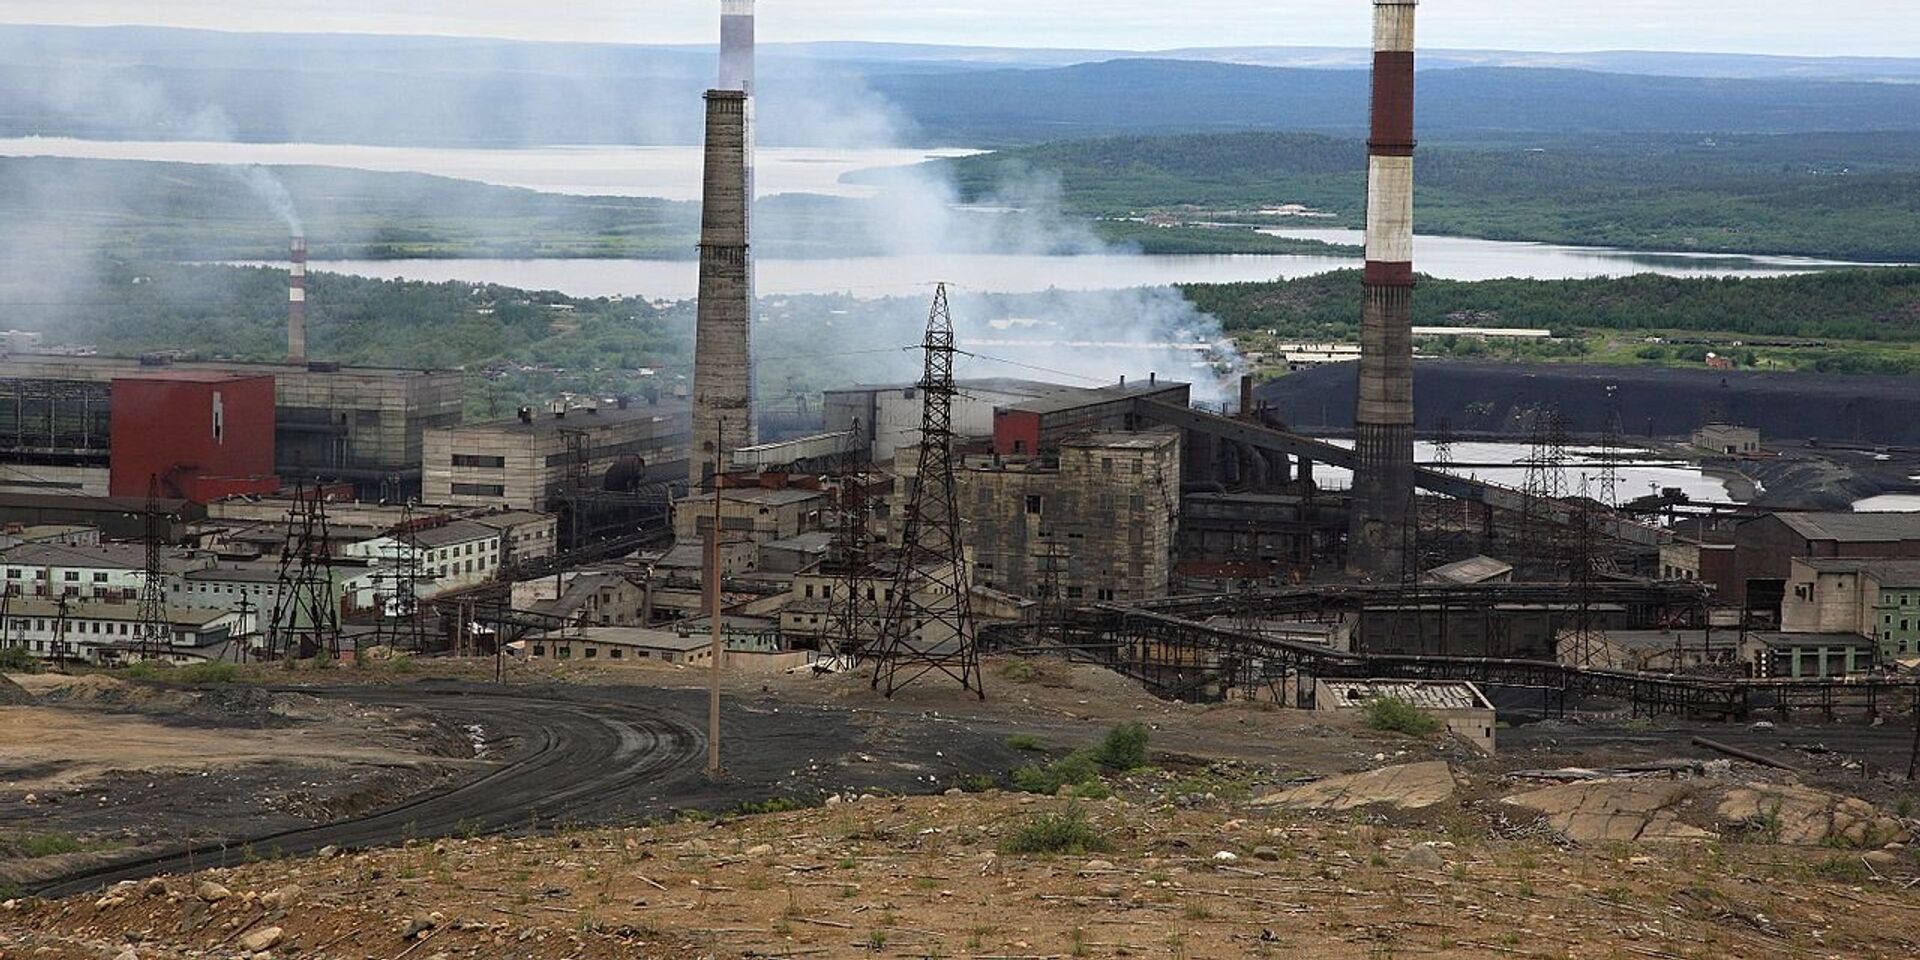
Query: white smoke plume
point(1076, 337)
point(267, 186)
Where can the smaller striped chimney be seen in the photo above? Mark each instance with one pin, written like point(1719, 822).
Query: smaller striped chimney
point(297, 304)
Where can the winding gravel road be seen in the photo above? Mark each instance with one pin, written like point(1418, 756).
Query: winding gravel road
point(604, 755)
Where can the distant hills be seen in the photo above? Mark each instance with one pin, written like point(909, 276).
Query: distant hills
point(415, 91)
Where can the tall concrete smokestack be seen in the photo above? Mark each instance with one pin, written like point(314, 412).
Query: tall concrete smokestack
point(736, 45)
point(723, 417)
point(722, 374)
point(1380, 535)
point(297, 303)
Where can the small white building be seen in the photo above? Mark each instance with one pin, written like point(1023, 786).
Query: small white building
point(524, 535)
point(105, 633)
point(1727, 440)
point(110, 573)
point(1466, 711)
point(229, 586)
point(450, 556)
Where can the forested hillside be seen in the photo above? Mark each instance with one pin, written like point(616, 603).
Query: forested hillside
point(1849, 196)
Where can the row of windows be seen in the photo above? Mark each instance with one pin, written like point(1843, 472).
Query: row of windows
point(69, 576)
point(479, 490)
point(18, 625)
point(475, 460)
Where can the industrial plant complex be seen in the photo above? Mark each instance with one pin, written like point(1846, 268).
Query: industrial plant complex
point(899, 538)
point(306, 508)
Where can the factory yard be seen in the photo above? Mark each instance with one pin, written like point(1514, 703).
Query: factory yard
point(1250, 831)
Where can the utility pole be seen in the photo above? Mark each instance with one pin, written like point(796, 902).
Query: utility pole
point(718, 650)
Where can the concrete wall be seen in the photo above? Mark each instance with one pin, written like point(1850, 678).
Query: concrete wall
point(1106, 515)
point(517, 465)
point(1820, 601)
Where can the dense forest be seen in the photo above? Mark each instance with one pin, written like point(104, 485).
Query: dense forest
point(1872, 305)
point(1850, 196)
point(201, 212)
point(525, 346)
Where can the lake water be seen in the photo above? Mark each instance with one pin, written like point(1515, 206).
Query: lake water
point(910, 275)
point(669, 172)
point(1504, 464)
point(1889, 503)
point(674, 172)
point(1464, 258)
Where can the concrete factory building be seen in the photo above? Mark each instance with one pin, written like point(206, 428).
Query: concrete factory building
point(520, 464)
point(888, 415)
point(357, 424)
point(1100, 521)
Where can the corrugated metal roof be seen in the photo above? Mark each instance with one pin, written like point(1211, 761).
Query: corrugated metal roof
point(1472, 570)
point(1442, 695)
point(1075, 399)
point(1849, 527)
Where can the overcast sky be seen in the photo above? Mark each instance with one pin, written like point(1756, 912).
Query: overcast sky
point(1838, 28)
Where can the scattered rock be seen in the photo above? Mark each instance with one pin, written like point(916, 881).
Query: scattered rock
point(1225, 856)
point(418, 924)
point(1268, 854)
point(156, 887)
point(265, 938)
point(329, 851)
point(1881, 858)
point(211, 892)
point(760, 850)
point(1424, 857)
point(1095, 866)
point(281, 899)
point(1365, 836)
point(127, 954)
point(1803, 816)
point(1411, 786)
point(1598, 810)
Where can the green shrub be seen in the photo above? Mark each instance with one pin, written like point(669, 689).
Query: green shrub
point(774, 805)
point(31, 845)
point(1125, 747)
point(18, 660)
point(1068, 832)
point(1026, 741)
point(1398, 716)
point(1020, 671)
point(1072, 770)
point(1842, 870)
point(975, 783)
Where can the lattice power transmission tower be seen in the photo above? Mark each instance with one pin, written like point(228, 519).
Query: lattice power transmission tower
point(156, 632)
point(929, 626)
point(305, 620)
point(1610, 442)
point(1443, 444)
point(850, 608)
point(399, 625)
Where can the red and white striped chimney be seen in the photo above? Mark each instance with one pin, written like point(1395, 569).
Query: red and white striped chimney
point(297, 303)
point(1380, 533)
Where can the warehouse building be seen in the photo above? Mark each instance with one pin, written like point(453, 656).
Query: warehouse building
point(888, 415)
point(522, 463)
point(357, 424)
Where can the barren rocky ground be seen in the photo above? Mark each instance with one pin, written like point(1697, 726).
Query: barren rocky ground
point(1249, 831)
